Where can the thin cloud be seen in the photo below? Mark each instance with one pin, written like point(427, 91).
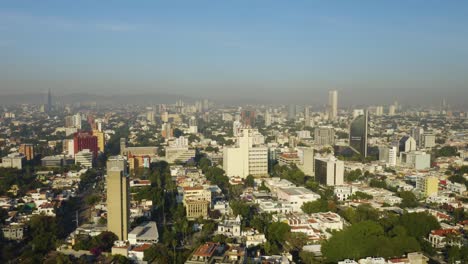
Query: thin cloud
point(13, 19)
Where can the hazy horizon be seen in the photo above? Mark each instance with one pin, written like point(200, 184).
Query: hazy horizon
point(374, 52)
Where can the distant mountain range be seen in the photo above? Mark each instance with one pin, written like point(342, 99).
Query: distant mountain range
point(146, 98)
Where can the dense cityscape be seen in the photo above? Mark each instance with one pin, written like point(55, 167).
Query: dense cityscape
point(234, 132)
point(200, 182)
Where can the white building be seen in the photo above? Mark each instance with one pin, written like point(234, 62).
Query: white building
point(84, 158)
point(332, 104)
point(324, 136)
point(416, 159)
point(246, 158)
point(296, 196)
point(146, 232)
point(13, 160)
point(329, 171)
point(344, 191)
point(388, 155)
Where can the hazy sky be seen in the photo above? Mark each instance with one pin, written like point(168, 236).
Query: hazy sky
point(281, 50)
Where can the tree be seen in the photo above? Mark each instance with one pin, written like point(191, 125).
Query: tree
point(315, 206)
point(249, 181)
point(43, 230)
point(296, 240)
point(278, 232)
point(157, 253)
point(360, 196)
point(409, 200)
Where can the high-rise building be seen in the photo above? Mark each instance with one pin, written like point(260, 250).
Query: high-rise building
point(388, 155)
point(428, 140)
point(49, 101)
point(27, 150)
point(150, 116)
point(416, 159)
point(248, 118)
point(246, 158)
point(118, 162)
point(118, 209)
point(379, 110)
point(391, 110)
point(100, 139)
point(407, 144)
point(358, 134)
point(416, 133)
point(332, 105)
point(329, 171)
point(427, 185)
point(267, 118)
point(324, 136)
point(307, 121)
point(84, 158)
point(166, 130)
point(85, 140)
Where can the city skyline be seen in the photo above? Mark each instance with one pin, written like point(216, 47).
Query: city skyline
point(265, 50)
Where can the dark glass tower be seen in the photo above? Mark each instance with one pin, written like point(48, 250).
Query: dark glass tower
point(358, 134)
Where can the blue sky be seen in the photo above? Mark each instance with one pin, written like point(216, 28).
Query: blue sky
point(235, 49)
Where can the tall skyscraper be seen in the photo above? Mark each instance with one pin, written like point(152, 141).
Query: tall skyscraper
point(332, 105)
point(307, 116)
point(358, 134)
point(118, 209)
point(49, 101)
point(267, 118)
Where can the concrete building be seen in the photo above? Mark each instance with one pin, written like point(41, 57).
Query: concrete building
point(167, 131)
point(118, 162)
point(85, 140)
point(306, 160)
point(84, 158)
point(246, 158)
point(428, 140)
point(427, 185)
point(53, 161)
point(332, 105)
point(329, 171)
point(296, 196)
point(388, 154)
point(27, 150)
point(324, 136)
point(101, 141)
point(13, 160)
point(407, 144)
point(118, 203)
point(145, 233)
point(416, 159)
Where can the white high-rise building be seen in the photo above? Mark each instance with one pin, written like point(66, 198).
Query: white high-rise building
point(329, 171)
point(391, 110)
point(379, 110)
point(332, 104)
point(236, 127)
point(246, 158)
point(388, 155)
point(267, 118)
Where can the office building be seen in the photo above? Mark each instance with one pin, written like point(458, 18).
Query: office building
point(324, 136)
point(388, 154)
point(118, 209)
point(248, 118)
point(428, 140)
point(306, 160)
point(407, 144)
point(27, 150)
point(427, 185)
point(329, 171)
point(49, 101)
point(379, 110)
point(268, 118)
point(166, 130)
point(84, 158)
point(12, 160)
point(391, 110)
point(118, 162)
point(416, 159)
point(332, 105)
point(358, 134)
point(246, 157)
point(85, 140)
point(100, 140)
point(417, 133)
